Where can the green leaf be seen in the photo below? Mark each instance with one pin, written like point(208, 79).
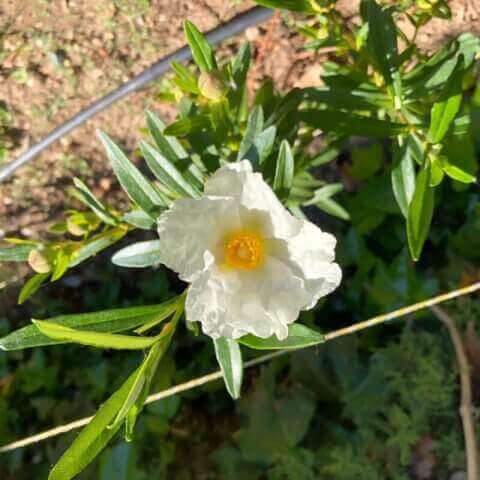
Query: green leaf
point(167, 173)
point(351, 124)
point(169, 147)
point(338, 97)
point(436, 172)
point(94, 339)
point(420, 213)
point(241, 64)
point(19, 253)
point(94, 437)
point(456, 172)
point(382, 37)
point(201, 50)
point(299, 336)
point(185, 79)
point(229, 358)
point(61, 262)
point(445, 110)
point(174, 152)
point(134, 183)
point(31, 286)
point(141, 383)
point(96, 244)
point(403, 177)
point(263, 146)
point(115, 320)
point(284, 169)
point(139, 255)
point(322, 199)
point(294, 5)
point(252, 131)
point(187, 126)
point(84, 194)
point(139, 219)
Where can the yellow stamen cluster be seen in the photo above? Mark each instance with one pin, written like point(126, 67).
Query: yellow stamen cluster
point(244, 250)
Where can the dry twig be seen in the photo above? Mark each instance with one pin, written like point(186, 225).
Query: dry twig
point(466, 409)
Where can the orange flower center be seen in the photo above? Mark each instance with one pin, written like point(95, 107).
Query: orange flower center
point(244, 250)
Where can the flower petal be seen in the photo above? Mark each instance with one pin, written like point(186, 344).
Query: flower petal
point(231, 304)
point(189, 231)
point(237, 180)
point(310, 255)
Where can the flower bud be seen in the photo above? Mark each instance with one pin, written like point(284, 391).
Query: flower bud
point(211, 86)
point(39, 262)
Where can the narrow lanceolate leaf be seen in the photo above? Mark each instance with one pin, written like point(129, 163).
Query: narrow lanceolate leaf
point(139, 219)
point(403, 177)
point(167, 173)
point(201, 50)
point(322, 199)
point(93, 339)
point(138, 255)
point(457, 172)
point(188, 125)
point(94, 437)
point(382, 37)
point(170, 147)
point(31, 286)
point(84, 194)
point(134, 183)
point(115, 320)
point(184, 78)
point(351, 124)
point(173, 150)
point(18, 253)
point(445, 110)
point(264, 145)
point(254, 128)
point(141, 383)
point(420, 213)
point(229, 358)
point(96, 244)
point(294, 5)
point(299, 336)
point(284, 169)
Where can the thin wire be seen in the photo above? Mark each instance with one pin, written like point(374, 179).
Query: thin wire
point(198, 382)
point(235, 26)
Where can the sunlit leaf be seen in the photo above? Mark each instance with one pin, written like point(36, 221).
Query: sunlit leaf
point(31, 286)
point(139, 255)
point(201, 50)
point(114, 320)
point(420, 213)
point(299, 336)
point(134, 183)
point(229, 358)
point(284, 169)
point(89, 199)
point(94, 339)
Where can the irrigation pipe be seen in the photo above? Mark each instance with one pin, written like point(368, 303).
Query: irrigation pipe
point(198, 382)
point(235, 26)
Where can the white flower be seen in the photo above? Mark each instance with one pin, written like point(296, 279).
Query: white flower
point(251, 264)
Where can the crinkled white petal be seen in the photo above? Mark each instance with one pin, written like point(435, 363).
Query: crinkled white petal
point(237, 180)
point(189, 231)
point(310, 255)
point(231, 304)
point(298, 268)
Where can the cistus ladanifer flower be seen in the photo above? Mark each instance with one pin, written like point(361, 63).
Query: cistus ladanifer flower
point(251, 264)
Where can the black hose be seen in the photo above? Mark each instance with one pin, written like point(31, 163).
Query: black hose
point(233, 27)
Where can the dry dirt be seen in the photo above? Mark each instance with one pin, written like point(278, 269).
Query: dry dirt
point(58, 56)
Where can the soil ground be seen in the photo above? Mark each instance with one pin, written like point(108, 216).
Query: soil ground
point(58, 56)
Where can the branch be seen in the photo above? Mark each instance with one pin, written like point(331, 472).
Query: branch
point(466, 410)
